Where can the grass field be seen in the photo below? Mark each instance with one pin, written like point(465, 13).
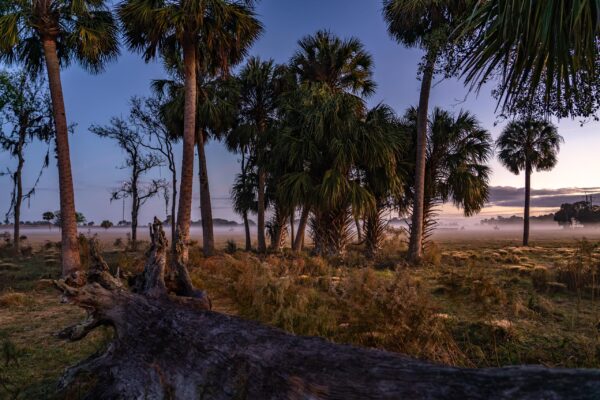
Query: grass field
point(474, 303)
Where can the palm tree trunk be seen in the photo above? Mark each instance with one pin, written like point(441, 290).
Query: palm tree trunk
point(358, 230)
point(247, 230)
point(208, 238)
point(262, 246)
point(527, 203)
point(280, 224)
point(184, 213)
point(173, 205)
point(415, 248)
point(71, 262)
point(292, 216)
point(299, 242)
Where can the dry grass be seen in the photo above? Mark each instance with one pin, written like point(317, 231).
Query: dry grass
point(468, 305)
point(13, 299)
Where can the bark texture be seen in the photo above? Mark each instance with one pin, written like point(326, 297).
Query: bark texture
point(299, 239)
point(527, 203)
point(415, 247)
point(184, 213)
point(261, 246)
point(248, 246)
point(170, 347)
point(208, 237)
point(71, 262)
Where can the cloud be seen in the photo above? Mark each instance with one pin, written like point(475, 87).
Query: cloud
point(507, 196)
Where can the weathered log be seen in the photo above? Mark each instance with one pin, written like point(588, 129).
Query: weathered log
point(166, 347)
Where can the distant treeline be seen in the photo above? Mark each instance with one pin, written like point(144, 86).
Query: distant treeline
point(582, 212)
point(514, 219)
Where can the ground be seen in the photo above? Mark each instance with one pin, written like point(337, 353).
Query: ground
point(479, 301)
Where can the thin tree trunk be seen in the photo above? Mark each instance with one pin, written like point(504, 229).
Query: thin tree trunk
point(415, 249)
point(184, 213)
point(247, 230)
point(18, 193)
point(280, 224)
point(71, 262)
point(262, 245)
point(299, 241)
point(292, 216)
point(134, 222)
point(527, 203)
point(173, 210)
point(358, 230)
point(208, 238)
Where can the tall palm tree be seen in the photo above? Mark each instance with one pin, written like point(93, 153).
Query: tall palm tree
point(525, 145)
point(542, 51)
point(456, 169)
point(198, 31)
point(52, 34)
point(259, 85)
point(427, 24)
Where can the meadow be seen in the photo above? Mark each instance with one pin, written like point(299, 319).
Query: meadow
point(473, 303)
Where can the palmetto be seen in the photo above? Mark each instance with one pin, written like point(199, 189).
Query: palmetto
point(525, 145)
point(51, 34)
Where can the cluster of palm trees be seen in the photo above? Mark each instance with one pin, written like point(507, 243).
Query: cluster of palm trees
point(305, 135)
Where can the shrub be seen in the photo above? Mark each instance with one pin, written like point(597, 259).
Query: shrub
point(540, 278)
point(231, 246)
point(580, 273)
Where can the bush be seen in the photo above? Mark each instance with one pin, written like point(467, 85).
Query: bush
point(231, 246)
point(580, 273)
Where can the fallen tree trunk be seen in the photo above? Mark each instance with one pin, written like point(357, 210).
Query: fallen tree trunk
point(173, 347)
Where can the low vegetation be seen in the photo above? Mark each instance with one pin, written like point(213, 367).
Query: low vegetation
point(487, 306)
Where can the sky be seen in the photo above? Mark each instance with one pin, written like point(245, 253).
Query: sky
point(93, 99)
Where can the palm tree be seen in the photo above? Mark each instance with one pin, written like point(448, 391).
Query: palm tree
point(528, 144)
point(385, 177)
point(456, 165)
point(540, 51)
point(243, 194)
point(341, 65)
point(53, 33)
point(324, 63)
point(427, 24)
point(198, 32)
point(323, 141)
point(259, 83)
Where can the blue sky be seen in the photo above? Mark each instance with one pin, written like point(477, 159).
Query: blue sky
point(95, 98)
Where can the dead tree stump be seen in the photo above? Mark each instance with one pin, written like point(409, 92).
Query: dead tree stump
point(173, 347)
